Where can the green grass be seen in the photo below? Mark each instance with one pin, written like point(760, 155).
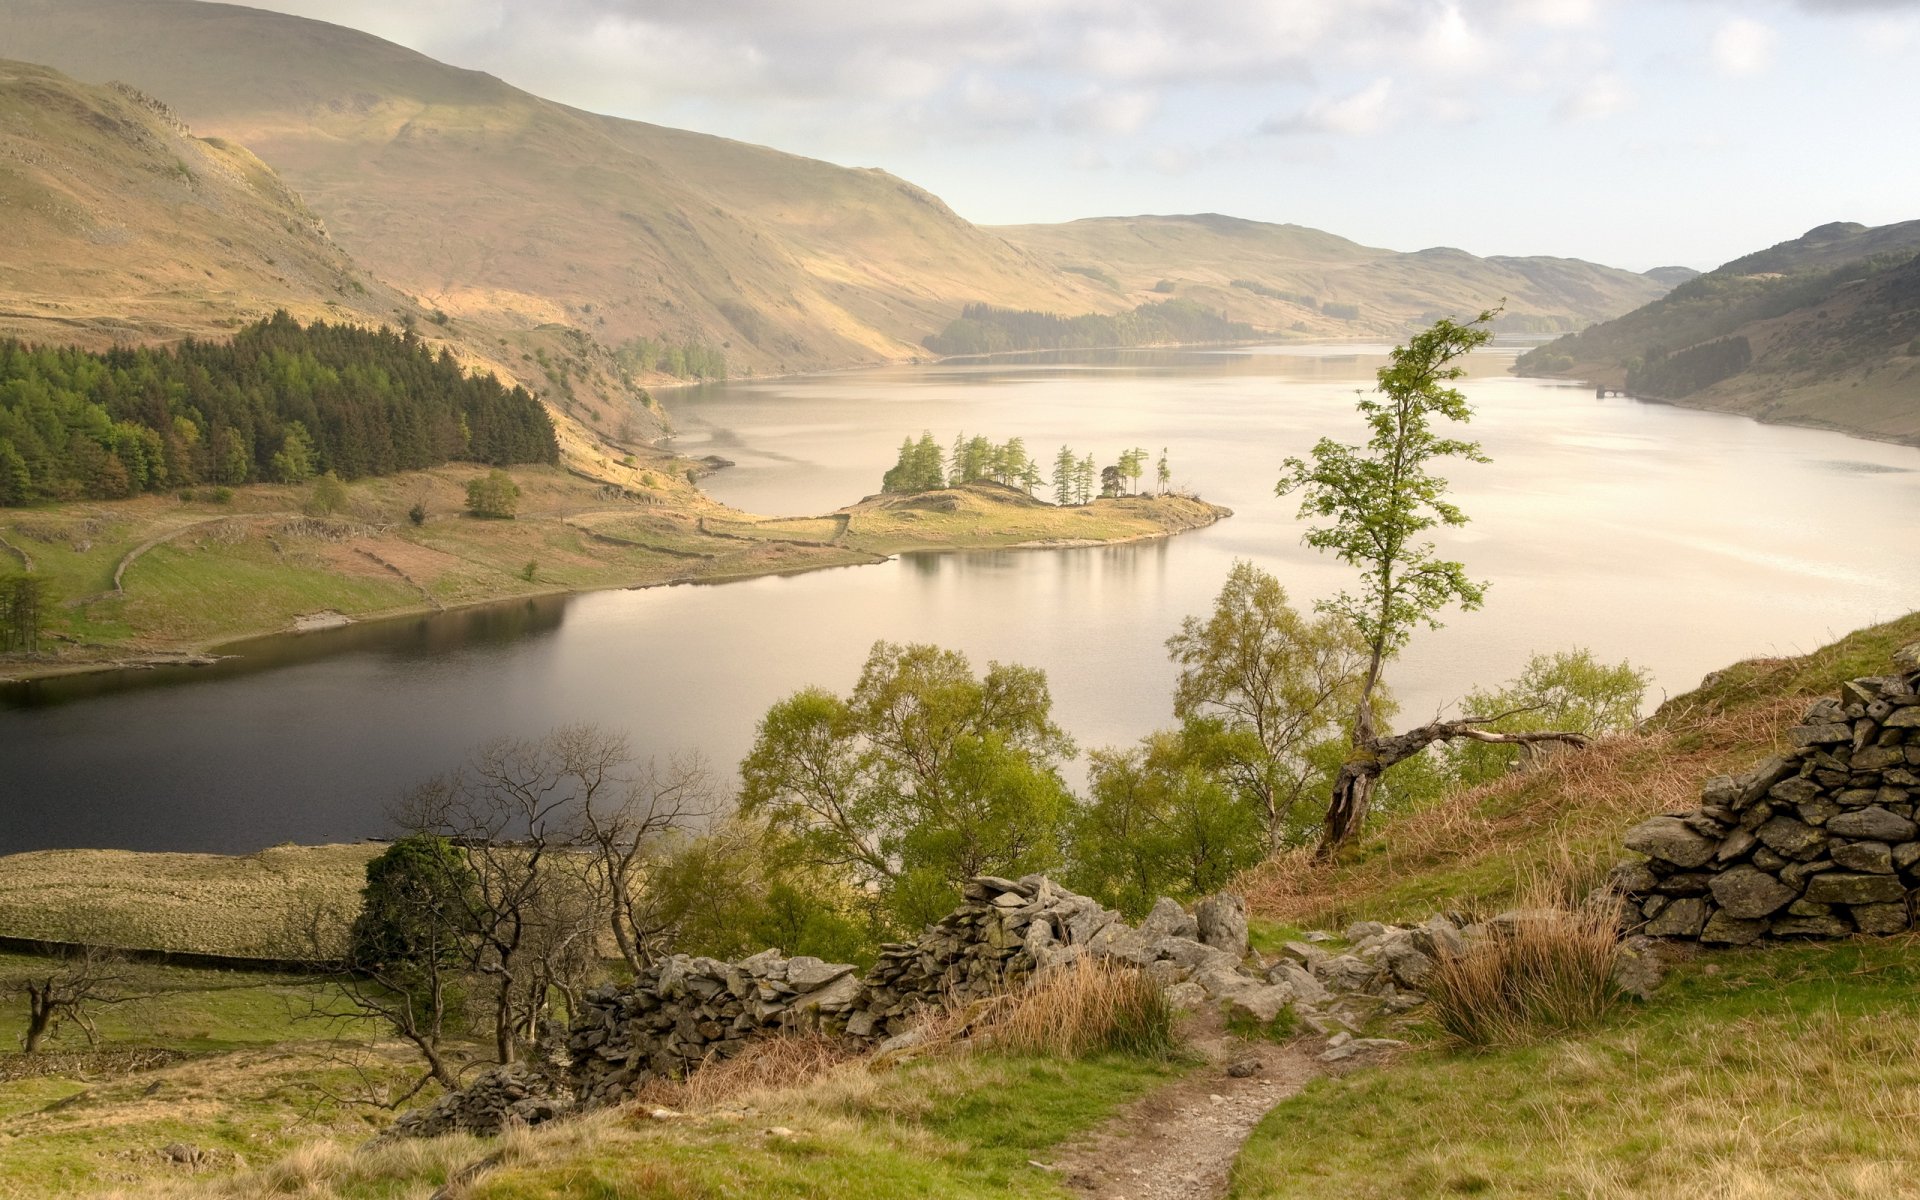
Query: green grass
point(965, 1127)
point(1785, 1072)
point(215, 591)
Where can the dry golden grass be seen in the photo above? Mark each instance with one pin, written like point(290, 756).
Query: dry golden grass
point(1550, 972)
point(201, 903)
point(1474, 848)
point(1088, 1007)
point(776, 1065)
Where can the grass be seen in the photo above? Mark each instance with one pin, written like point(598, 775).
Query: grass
point(1089, 1007)
point(1551, 972)
point(209, 573)
point(202, 903)
point(1787, 1072)
point(1476, 849)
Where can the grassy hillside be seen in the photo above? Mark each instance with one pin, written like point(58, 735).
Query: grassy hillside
point(498, 207)
point(1301, 280)
point(121, 224)
point(1822, 330)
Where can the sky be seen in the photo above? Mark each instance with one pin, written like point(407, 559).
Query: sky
point(1638, 133)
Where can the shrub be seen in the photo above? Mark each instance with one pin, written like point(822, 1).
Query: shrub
point(418, 513)
point(221, 495)
point(530, 570)
point(1549, 970)
point(328, 496)
point(494, 494)
point(1089, 1007)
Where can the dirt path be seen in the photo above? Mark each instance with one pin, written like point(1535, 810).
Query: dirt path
point(1180, 1142)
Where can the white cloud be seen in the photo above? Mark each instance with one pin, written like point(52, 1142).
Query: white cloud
point(1743, 47)
point(1109, 111)
point(1598, 98)
point(1358, 114)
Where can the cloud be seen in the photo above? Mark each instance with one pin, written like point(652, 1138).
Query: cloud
point(1600, 97)
point(1743, 47)
point(1357, 114)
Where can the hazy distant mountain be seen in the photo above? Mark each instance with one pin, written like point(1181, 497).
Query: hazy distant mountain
point(1671, 276)
point(1290, 277)
point(1821, 330)
point(116, 222)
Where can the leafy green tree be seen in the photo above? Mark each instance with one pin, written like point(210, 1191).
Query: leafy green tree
point(1083, 479)
point(1160, 822)
point(923, 776)
point(1569, 689)
point(1379, 499)
point(293, 462)
point(920, 467)
point(1276, 684)
point(494, 495)
point(1163, 473)
point(23, 613)
point(328, 496)
point(16, 481)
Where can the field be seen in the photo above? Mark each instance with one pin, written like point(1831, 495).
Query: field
point(246, 906)
point(162, 576)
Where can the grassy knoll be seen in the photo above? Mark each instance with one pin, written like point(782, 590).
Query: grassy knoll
point(1477, 849)
point(203, 903)
point(165, 575)
point(1782, 1072)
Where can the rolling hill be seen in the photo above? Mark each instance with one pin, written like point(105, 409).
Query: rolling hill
point(1822, 330)
point(508, 213)
point(120, 224)
point(1292, 278)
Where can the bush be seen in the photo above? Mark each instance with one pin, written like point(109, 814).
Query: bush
point(328, 496)
point(221, 495)
point(494, 494)
point(1549, 971)
point(530, 570)
point(418, 513)
point(1090, 1007)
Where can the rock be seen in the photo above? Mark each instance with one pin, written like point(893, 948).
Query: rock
point(1630, 876)
point(1746, 892)
point(1185, 996)
point(1906, 854)
point(1304, 985)
point(1873, 822)
point(1348, 973)
point(1408, 965)
point(1169, 920)
point(1244, 1068)
point(1731, 931)
point(901, 1042)
point(1874, 858)
point(1639, 970)
point(1671, 840)
point(1682, 918)
point(1817, 927)
point(1735, 846)
point(1444, 937)
point(1880, 918)
point(1790, 837)
point(182, 1153)
point(807, 974)
point(1259, 1003)
point(1360, 931)
point(1357, 1047)
point(1838, 888)
point(1222, 921)
point(1826, 733)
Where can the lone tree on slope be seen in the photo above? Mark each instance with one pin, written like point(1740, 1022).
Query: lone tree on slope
point(1380, 498)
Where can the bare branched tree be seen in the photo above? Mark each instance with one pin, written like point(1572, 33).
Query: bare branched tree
point(629, 839)
point(70, 984)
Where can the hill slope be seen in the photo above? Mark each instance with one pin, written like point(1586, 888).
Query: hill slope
point(495, 205)
point(118, 222)
point(1822, 330)
point(1290, 277)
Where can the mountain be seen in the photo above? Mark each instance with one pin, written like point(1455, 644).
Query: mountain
point(1290, 277)
point(498, 207)
point(120, 224)
point(1821, 330)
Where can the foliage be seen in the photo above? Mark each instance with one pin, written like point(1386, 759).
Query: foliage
point(688, 359)
point(921, 467)
point(1548, 972)
point(1569, 689)
point(23, 613)
point(328, 496)
point(1161, 820)
point(1275, 685)
point(924, 776)
point(1694, 369)
point(1273, 293)
point(494, 495)
point(414, 906)
point(984, 329)
point(281, 402)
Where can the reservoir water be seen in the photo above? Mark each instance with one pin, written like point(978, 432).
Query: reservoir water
point(1681, 540)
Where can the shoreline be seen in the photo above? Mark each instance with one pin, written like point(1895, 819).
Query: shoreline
point(213, 652)
point(1911, 442)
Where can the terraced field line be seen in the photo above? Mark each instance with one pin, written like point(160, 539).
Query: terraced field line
point(26, 560)
point(119, 572)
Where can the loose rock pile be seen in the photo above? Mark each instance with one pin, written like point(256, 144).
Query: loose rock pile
point(1821, 842)
point(522, 1094)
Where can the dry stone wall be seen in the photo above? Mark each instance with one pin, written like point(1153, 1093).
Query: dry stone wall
point(1821, 842)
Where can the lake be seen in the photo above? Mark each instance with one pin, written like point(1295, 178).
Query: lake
point(1681, 540)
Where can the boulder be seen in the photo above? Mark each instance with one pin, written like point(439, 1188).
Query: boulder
point(1222, 921)
point(1873, 858)
point(1682, 918)
point(1169, 920)
point(1842, 888)
point(1731, 931)
point(1880, 918)
point(1790, 837)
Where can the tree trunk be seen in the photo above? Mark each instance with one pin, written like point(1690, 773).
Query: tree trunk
point(1352, 796)
point(39, 1021)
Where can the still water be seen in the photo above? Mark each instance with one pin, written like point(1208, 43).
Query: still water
point(1679, 539)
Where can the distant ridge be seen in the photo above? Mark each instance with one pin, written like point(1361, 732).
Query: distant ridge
point(1820, 330)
